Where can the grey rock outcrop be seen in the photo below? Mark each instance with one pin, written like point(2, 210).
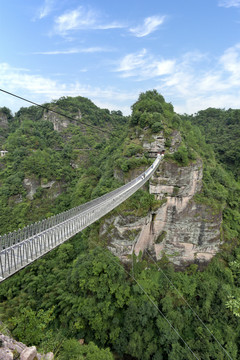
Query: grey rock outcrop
point(49, 356)
point(6, 354)
point(32, 184)
point(156, 144)
point(181, 228)
point(121, 233)
point(11, 349)
point(59, 122)
point(3, 121)
point(28, 353)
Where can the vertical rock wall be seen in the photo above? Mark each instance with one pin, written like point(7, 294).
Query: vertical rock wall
point(183, 229)
point(59, 122)
point(3, 121)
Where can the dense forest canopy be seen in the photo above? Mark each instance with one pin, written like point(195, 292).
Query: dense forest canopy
point(80, 290)
point(222, 130)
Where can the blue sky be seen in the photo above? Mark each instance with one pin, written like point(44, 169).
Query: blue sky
point(111, 51)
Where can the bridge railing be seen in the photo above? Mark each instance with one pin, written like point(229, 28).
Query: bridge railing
point(21, 247)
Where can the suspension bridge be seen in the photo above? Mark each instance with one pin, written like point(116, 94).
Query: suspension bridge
point(20, 248)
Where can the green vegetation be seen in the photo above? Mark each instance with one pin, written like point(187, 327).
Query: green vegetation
point(93, 298)
point(161, 237)
point(222, 130)
point(151, 110)
point(42, 155)
point(30, 327)
point(80, 290)
point(80, 352)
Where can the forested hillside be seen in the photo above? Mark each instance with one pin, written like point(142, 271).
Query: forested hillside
point(82, 291)
point(222, 130)
point(59, 167)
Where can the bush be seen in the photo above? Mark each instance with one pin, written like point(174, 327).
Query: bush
point(181, 156)
point(156, 127)
point(31, 326)
point(132, 149)
point(73, 350)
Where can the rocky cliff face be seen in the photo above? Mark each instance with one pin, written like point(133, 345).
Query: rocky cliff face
point(182, 229)
point(53, 188)
point(59, 122)
point(3, 121)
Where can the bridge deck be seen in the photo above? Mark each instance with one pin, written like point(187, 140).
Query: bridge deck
point(20, 248)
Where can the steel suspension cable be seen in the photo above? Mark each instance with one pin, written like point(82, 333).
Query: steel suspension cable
point(53, 111)
point(149, 298)
point(198, 317)
point(155, 305)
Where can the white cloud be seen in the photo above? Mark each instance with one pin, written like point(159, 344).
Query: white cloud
point(113, 25)
point(229, 3)
point(144, 66)
point(40, 89)
point(192, 82)
point(14, 78)
point(132, 62)
point(46, 9)
point(211, 82)
point(230, 62)
point(217, 86)
point(81, 19)
point(149, 25)
point(162, 67)
point(74, 51)
point(196, 103)
point(75, 19)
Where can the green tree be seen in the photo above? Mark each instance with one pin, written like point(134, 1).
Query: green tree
point(30, 326)
point(73, 350)
point(181, 155)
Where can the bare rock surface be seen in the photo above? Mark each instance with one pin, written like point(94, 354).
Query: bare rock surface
point(31, 185)
point(121, 233)
point(3, 121)
point(10, 348)
point(181, 228)
point(59, 122)
point(29, 353)
point(49, 356)
point(156, 144)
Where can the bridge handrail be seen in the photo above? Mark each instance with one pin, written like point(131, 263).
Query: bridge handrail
point(19, 235)
point(16, 253)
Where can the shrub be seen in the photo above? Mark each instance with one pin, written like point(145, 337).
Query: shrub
point(156, 127)
point(181, 156)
